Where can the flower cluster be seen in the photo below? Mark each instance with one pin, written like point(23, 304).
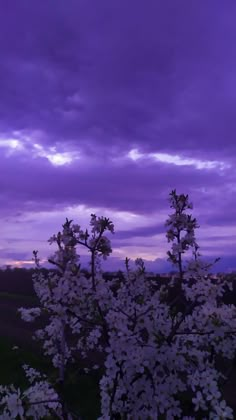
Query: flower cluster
point(157, 352)
point(37, 401)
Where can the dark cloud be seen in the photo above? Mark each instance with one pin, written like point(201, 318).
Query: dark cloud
point(140, 232)
point(102, 79)
point(222, 219)
point(158, 75)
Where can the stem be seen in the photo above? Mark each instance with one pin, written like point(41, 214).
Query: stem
point(93, 268)
point(180, 257)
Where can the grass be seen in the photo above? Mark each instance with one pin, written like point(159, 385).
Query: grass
point(11, 370)
point(18, 298)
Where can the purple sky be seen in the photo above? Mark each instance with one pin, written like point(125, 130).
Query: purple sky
point(107, 106)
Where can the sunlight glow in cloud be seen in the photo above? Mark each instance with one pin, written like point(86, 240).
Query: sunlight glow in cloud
point(24, 263)
point(11, 145)
point(134, 154)
point(20, 263)
point(56, 158)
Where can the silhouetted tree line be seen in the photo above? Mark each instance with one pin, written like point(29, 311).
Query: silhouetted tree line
point(15, 280)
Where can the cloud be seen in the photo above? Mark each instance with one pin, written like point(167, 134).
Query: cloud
point(128, 186)
point(143, 72)
point(111, 107)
